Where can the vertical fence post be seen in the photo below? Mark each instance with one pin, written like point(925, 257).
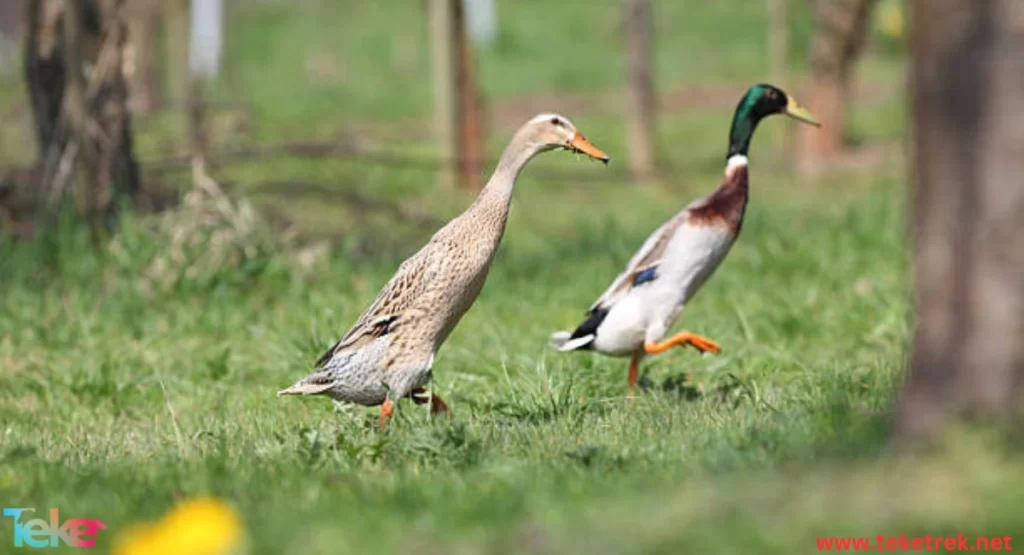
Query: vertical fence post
point(458, 118)
point(642, 101)
point(205, 40)
point(442, 49)
point(176, 37)
point(469, 109)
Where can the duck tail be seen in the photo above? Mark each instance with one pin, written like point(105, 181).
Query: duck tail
point(583, 337)
point(310, 385)
point(564, 341)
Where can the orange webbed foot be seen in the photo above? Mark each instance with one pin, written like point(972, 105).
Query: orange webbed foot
point(387, 410)
point(437, 405)
point(681, 339)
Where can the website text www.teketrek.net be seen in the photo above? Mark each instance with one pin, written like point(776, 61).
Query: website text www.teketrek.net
point(904, 542)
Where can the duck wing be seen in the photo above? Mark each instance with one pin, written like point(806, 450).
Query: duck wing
point(394, 306)
point(643, 267)
point(370, 343)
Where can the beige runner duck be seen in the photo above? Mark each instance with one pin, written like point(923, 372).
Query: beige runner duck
point(389, 352)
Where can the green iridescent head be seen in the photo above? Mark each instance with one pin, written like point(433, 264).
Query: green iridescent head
point(759, 102)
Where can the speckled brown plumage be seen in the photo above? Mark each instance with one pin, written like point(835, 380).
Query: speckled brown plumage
point(389, 351)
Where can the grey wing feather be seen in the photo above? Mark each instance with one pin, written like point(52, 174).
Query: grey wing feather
point(649, 255)
point(410, 280)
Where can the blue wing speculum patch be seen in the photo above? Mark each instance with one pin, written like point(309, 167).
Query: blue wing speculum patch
point(645, 276)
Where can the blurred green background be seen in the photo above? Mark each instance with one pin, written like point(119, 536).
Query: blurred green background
point(143, 372)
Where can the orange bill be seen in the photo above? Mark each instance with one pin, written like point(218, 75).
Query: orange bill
point(579, 143)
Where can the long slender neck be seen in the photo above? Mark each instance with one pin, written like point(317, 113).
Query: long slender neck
point(732, 195)
point(736, 183)
point(744, 121)
point(743, 125)
point(498, 190)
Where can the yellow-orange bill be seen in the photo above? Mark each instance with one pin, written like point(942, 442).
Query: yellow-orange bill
point(796, 111)
point(581, 144)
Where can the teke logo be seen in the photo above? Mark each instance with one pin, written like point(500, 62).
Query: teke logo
point(39, 533)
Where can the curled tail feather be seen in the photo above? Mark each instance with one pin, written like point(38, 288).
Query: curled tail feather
point(564, 341)
point(584, 335)
point(310, 385)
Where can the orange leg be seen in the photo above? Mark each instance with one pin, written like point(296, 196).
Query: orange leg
point(386, 411)
point(437, 406)
point(680, 339)
point(634, 373)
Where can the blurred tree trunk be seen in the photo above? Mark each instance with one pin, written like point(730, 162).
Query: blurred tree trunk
point(968, 159)
point(143, 24)
point(642, 100)
point(837, 43)
point(44, 72)
point(83, 126)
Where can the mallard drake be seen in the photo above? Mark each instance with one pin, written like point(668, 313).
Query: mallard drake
point(389, 352)
point(633, 315)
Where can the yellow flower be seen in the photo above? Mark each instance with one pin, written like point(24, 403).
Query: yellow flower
point(890, 19)
point(201, 526)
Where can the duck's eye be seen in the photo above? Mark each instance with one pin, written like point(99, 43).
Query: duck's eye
point(556, 121)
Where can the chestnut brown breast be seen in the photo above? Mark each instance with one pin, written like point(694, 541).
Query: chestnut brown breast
point(727, 205)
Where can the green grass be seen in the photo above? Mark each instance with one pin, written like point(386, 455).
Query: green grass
point(144, 372)
point(119, 395)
